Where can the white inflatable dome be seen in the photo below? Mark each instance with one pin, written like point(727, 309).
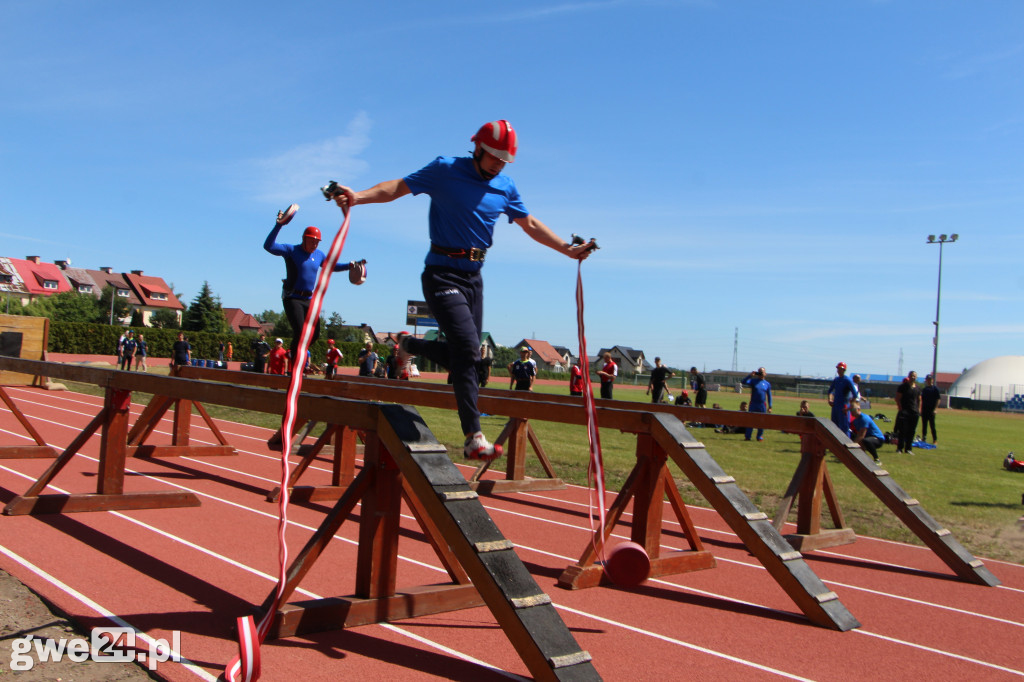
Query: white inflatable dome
point(1006, 371)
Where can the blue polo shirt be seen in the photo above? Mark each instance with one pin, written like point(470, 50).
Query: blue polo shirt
point(863, 421)
point(463, 207)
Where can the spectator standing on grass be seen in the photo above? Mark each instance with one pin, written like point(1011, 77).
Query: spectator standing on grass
point(523, 372)
point(181, 351)
point(334, 356)
point(760, 397)
point(120, 349)
point(367, 361)
point(128, 350)
point(841, 394)
point(576, 379)
point(483, 366)
point(908, 401)
point(929, 402)
point(141, 351)
point(260, 351)
point(700, 388)
point(278, 360)
point(607, 373)
point(658, 382)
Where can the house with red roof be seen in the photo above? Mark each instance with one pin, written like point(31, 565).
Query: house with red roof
point(11, 282)
point(241, 321)
point(153, 294)
point(39, 278)
point(544, 354)
point(105, 277)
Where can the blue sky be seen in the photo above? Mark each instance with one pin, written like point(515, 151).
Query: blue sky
point(771, 167)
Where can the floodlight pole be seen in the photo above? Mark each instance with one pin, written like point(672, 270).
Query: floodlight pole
point(943, 239)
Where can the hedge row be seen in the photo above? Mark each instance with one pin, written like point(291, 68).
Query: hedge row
point(101, 339)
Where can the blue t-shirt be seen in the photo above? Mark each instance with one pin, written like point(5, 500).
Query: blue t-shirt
point(862, 421)
point(301, 267)
point(463, 207)
point(760, 393)
point(844, 390)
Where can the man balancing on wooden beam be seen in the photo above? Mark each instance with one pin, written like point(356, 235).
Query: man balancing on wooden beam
point(467, 195)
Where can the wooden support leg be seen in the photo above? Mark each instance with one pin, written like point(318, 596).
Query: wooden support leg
point(113, 443)
point(815, 485)
point(39, 450)
point(646, 485)
point(519, 434)
point(182, 422)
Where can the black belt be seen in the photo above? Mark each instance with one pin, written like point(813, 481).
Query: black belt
point(290, 293)
point(473, 254)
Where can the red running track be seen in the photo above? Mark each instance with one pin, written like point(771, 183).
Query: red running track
point(195, 570)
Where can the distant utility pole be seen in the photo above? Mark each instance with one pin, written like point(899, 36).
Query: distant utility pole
point(899, 371)
point(736, 349)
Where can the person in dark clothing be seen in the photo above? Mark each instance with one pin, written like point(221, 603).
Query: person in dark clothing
point(260, 351)
point(697, 382)
point(483, 365)
point(181, 352)
point(908, 400)
point(929, 401)
point(659, 379)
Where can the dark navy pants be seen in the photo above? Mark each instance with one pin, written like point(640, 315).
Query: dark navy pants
point(456, 301)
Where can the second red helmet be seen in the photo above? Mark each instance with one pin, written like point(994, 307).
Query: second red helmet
point(498, 138)
point(313, 232)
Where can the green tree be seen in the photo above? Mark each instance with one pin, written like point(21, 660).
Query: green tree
point(165, 318)
point(120, 308)
point(137, 319)
point(205, 313)
point(334, 326)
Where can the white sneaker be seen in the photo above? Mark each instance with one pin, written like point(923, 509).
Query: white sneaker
point(478, 447)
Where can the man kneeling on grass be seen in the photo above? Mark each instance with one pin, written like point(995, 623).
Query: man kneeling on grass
point(866, 432)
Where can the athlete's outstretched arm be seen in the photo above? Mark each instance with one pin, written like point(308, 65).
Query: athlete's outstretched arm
point(381, 193)
point(542, 234)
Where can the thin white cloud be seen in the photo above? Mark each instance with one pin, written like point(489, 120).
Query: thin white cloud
point(973, 65)
point(298, 172)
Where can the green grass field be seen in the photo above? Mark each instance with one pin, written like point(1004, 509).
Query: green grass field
point(961, 483)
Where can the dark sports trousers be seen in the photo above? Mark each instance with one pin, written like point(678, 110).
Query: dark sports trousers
point(606, 389)
point(907, 428)
point(871, 444)
point(656, 393)
point(702, 398)
point(926, 419)
point(296, 309)
point(456, 300)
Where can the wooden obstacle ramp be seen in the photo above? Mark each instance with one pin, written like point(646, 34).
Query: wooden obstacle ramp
point(402, 458)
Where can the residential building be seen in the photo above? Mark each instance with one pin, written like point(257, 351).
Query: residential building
point(153, 294)
point(37, 279)
point(544, 354)
point(241, 321)
point(629, 360)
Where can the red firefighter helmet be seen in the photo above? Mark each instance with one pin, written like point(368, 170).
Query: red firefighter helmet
point(498, 138)
point(313, 232)
point(841, 365)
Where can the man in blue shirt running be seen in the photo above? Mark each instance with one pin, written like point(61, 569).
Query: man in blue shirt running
point(467, 196)
point(760, 397)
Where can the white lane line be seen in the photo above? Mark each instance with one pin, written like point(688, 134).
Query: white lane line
point(104, 612)
point(439, 569)
point(758, 566)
